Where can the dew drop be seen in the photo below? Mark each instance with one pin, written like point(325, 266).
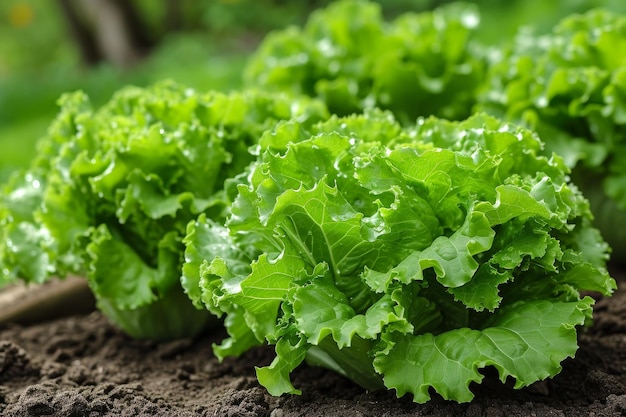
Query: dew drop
point(542, 101)
point(470, 20)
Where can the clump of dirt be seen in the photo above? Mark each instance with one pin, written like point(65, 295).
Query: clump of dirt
point(83, 366)
point(14, 362)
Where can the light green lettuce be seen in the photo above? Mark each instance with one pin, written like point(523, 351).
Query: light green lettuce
point(348, 55)
point(112, 190)
point(570, 86)
point(405, 259)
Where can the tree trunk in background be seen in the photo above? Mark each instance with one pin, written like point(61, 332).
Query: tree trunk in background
point(138, 30)
point(83, 37)
point(107, 30)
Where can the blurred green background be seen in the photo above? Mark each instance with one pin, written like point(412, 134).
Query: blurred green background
point(48, 47)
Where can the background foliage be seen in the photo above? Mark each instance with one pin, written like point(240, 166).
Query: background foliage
point(203, 45)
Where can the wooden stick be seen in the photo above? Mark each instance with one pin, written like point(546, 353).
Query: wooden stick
point(27, 304)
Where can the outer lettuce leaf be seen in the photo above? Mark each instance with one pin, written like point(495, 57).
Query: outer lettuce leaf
point(381, 255)
point(350, 57)
point(569, 86)
point(526, 342)
point(112, 190)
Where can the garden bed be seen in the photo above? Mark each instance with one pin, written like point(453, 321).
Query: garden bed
point(82, 366)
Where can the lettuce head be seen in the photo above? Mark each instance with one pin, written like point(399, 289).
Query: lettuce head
point(405, 259)
point(112, 189)
point(349, 56)
point(570, 86)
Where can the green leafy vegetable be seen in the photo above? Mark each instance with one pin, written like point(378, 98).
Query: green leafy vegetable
point(112, 190)
point(570, 86)
point(405, 259)
point(418, 65)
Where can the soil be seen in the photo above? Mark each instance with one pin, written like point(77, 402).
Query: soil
point(82, 366)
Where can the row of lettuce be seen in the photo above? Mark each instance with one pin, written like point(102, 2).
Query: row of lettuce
point(377, 201)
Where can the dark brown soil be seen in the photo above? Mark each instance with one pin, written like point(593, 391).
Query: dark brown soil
point(82, 366)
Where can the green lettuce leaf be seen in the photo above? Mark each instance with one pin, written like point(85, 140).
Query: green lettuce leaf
point(525, 342)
